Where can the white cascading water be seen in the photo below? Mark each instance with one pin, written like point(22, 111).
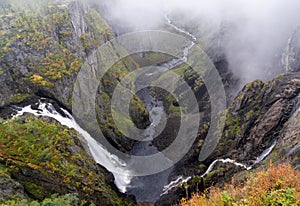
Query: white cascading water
point(123, 177)
point(180, 180)
point(100, 154)
point(103, 157)
point(176, 62)
point(176, 183)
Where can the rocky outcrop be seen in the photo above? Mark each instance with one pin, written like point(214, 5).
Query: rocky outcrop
point(263, 112)
point(39, 157)
point(288, 147)
point(290, 58)
point(257, 117)
point(10, 188)
point(44, 49)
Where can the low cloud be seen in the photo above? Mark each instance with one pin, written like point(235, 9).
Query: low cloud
point(255, 39)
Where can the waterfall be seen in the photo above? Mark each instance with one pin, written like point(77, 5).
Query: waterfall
point(99, 153)
point(180, 180)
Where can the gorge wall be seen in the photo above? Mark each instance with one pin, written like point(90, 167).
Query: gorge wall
point(43, 46)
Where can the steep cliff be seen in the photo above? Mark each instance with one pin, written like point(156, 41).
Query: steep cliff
point(43, 47)
point(290, 57)
point(263, 113)
point(39, 158)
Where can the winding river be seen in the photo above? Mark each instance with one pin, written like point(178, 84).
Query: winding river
point(147, 188)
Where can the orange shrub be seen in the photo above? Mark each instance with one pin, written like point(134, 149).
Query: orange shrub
point(278, 185)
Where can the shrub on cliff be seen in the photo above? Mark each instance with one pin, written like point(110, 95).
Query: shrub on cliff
point(55, 200)
point(278, 185)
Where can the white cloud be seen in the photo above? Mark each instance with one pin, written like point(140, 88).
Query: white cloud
point(261, 27)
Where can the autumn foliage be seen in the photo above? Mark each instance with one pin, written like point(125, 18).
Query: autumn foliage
point(278, 185)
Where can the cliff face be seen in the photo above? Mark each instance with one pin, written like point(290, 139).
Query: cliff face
point(258, 115)
point(262, 113)
point(290, 57)
point(39, 157)
point(288, 144)
point(44, 45)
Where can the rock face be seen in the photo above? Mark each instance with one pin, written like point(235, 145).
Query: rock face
point(261, 114)
point(257, 116)
point(10, 188)
point(39, 157)
point(44, 46)
point(290, 58)
point(288, 146)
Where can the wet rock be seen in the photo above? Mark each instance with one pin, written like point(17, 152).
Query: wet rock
point(263, 112)
point(10, 188)
point(290, 58)
point(74, 171)
point(46, 66)
point(288, 147)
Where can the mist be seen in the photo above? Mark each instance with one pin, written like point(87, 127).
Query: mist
point(256, 34)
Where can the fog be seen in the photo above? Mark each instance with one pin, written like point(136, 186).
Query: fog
point(256, 34)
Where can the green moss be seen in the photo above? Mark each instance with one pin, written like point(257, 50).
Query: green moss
point(97, 23)
point(46, 147)
point(33, 190)
point(233, 125)
point(55, 200)
point(1, 70)
point(37, 136)
point(32, 29)
point(4, 173)
point(17, 98)
point(279, 77)
point(202, 167)
point(152, 58)
point(174, 110)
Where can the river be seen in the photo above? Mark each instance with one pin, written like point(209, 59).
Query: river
point(146, 188)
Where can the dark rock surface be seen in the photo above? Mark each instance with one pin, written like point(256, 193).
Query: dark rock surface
point(69, 168)
point(44, 59)
point(10, 188)
point(261, 114)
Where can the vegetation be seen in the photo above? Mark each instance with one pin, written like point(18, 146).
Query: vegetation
point(54, 200)
point(278, 185)
point(17, 98)
point(54, 161)
point(30, 28)
point(151, 58)
point(54, 51)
